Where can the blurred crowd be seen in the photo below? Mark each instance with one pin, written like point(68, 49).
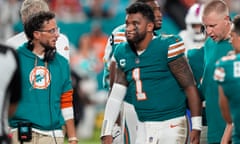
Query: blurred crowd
point(71, 11)
point(87, 51)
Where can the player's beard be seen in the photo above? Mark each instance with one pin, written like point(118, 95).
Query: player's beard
point(47, 47)
point(137, 39)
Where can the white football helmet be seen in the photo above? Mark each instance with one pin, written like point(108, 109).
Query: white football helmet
point(194, 14)
point(194, 17)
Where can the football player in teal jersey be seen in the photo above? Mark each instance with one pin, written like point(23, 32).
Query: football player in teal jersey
point(154, 71)
point(227, 74)
point(217, 25)
point(118, 36)
point(127, 122)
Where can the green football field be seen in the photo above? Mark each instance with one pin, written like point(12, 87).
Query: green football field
point(95, 138)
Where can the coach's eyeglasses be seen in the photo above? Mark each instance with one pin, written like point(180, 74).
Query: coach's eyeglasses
point(52, 31)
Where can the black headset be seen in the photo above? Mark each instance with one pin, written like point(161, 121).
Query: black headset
point(49, 52)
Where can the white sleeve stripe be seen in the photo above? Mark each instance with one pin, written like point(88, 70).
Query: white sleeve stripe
point(176, 49)
point(176, 45)
point(120, 38)
point(119, 34)
point(67, 113)
point(117, 39)
point(219, 74)
point(175, 52)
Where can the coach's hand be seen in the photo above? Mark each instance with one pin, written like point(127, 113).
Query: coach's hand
point(195, 137)
point(107, 139)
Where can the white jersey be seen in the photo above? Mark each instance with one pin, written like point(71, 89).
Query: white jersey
point(62, 43)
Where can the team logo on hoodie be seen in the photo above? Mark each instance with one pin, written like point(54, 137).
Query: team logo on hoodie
point(40, 77)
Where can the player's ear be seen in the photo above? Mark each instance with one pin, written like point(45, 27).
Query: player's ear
point(150, 27)
point(36, 34)
point(227, 19)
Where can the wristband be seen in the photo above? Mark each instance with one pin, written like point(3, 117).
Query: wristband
point(72, 139)
point(107, 128)
point(197, 122)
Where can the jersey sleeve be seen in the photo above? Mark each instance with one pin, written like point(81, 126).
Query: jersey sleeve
point(117, 36)
point(224, 66)
point(118, 53)
point(175, 47)
point(196, 61)
point(108, 49)
point(106, 62)
point(219, 72)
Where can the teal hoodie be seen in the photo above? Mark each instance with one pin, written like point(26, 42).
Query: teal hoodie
point(42, 87)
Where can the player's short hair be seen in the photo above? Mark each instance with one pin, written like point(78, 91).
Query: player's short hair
point(217, 6)
point(144, 9)
point(30, 7)
point(236, 24)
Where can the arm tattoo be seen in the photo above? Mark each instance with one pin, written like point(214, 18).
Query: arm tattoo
point(182, 72)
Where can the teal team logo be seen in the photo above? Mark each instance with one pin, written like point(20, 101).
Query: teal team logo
point(39, 77)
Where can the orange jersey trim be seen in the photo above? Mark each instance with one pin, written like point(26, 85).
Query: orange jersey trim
point(120, 34)
point(176, 46)
point(176, 53)
point(66, 99)
point(118, 41)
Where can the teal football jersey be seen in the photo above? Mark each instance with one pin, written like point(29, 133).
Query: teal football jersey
point(195, 59)
point(117, 37)
point(155, 92)
point(213, 51)
point(196, 62)
point(227, 74)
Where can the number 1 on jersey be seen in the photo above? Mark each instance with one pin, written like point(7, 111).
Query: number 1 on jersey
point(139, 91)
